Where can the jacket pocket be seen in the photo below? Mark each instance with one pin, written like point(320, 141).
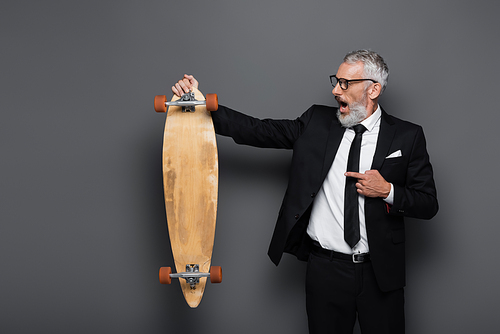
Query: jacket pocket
point(393, 161)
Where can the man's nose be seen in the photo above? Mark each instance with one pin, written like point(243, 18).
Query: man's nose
point(337, 91)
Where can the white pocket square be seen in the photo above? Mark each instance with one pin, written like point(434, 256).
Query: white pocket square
point(394, 154)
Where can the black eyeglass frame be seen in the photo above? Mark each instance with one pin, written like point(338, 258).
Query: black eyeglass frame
point(338, 81)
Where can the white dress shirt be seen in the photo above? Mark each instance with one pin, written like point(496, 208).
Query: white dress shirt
point(326, 224)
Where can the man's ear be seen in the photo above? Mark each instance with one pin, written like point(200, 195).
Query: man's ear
point(374, 91)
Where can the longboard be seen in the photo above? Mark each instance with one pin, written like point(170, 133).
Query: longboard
point(190, 181)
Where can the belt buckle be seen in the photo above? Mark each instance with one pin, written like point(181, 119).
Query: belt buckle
point(354, 258)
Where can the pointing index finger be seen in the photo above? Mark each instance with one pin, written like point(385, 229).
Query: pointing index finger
point(354, 174)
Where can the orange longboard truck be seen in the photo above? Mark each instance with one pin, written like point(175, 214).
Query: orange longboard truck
point(190, 182)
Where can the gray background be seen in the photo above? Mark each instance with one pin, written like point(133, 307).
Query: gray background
point(82, 222)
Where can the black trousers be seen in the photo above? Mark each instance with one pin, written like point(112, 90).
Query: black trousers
point(338, 290)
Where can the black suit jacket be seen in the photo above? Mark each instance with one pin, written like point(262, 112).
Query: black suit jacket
point(315, 137)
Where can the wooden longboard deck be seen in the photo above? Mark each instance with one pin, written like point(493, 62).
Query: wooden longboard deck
point(190, 177)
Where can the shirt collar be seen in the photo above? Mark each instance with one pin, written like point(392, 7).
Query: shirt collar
point(373, 120)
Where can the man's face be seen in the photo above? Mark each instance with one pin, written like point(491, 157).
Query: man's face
point(353, 101)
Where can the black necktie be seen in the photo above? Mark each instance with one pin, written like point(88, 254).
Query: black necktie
point(351, 211)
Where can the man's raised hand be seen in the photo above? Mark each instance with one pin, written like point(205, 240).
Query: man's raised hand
point(185, 85)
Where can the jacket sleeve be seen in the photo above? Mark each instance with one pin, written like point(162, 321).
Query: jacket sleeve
point(266, 133)
point(417, 198)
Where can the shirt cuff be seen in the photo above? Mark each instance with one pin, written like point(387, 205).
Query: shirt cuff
point(390, 199)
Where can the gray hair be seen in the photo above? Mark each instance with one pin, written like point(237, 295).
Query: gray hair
point(374, 66)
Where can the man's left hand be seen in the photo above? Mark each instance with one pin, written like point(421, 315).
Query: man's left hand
point(371, 183)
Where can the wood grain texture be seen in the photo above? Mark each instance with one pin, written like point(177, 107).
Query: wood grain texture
point(190, 176)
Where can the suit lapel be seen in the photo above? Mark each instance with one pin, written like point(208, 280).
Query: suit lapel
point(385, 137)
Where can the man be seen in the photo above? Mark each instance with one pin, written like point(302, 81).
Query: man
point(356, 173)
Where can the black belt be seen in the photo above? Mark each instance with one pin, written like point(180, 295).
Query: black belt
point(355, 258)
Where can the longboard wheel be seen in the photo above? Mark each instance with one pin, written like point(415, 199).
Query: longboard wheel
point(212, 102)
point(160, 103)
point(215, 274)
point(165, 275)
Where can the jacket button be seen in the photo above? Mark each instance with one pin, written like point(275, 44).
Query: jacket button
point(297, 216)
point(313, 194)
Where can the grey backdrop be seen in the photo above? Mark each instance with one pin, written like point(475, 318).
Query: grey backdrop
point(82, 222)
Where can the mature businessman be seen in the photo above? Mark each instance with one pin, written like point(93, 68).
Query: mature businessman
point(356, 173)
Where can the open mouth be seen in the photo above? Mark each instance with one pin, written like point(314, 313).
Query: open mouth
point(342, 105)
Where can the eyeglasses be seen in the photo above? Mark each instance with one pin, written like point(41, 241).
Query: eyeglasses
point(344, 83)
